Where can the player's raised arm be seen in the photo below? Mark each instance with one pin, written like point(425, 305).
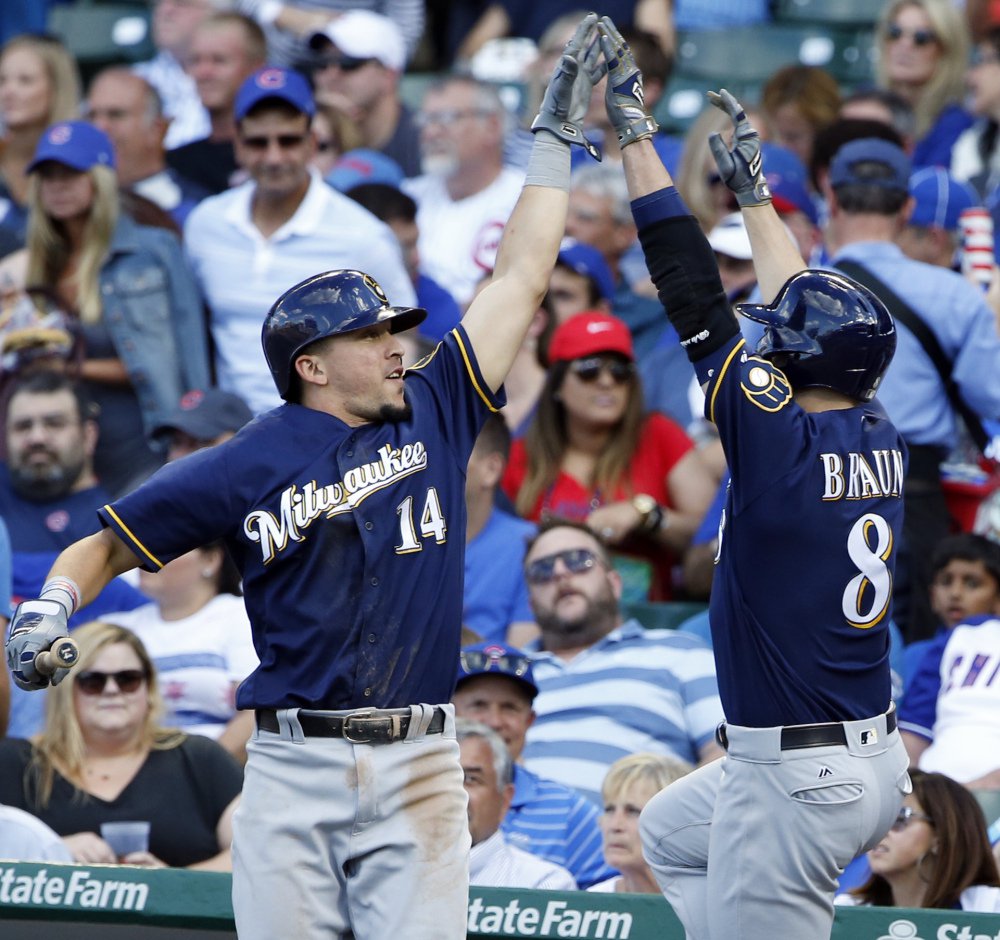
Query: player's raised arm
point(498, 318)
point(775, 257)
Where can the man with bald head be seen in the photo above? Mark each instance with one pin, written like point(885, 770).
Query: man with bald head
point(128, 109)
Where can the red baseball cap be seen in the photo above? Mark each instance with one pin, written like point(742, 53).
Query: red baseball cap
point(589, 333)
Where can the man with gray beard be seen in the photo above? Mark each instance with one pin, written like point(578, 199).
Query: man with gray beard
point(607, 687)
point(49, 498)
point(466, 194)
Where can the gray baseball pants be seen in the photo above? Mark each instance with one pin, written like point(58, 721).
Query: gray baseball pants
point(750, 846)
point(339, 840)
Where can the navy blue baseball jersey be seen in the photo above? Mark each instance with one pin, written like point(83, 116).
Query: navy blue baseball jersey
point(802, 593)
point(351, 541)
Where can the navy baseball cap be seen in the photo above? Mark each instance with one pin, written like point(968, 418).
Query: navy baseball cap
point(787, 179)
point(75, 144)
point(207, 413)
point(587, 260)
point(272, 81)
point(496, 659)
point(939, 199)
point(871, 150)
point(364, 166)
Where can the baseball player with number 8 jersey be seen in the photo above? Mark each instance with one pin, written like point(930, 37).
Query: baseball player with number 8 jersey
point(750, 846)
point(344, 510)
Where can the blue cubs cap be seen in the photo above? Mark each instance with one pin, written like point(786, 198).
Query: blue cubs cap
point(273, 81)
point(496, 659)
point(587, 260)
point(787, 178)
point(75, 144)
point(364, 166)
point(843, 170)
point(939, 199)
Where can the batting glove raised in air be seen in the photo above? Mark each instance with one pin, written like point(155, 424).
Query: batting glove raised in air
point(35, 627)
point(740, 165)
point(568, 94)
point(624, 97)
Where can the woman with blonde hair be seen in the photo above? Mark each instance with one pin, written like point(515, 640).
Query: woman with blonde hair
point(104, 757)
point(593, 454)
point(39, 85)
point(629, 785)
point(128, 289)
point(797, 101)
point(923, 52)
point(698, 180)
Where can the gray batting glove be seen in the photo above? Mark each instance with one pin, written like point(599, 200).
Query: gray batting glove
point(35, 627)
point(568, 94)
point(624, 97)
point(740, 166)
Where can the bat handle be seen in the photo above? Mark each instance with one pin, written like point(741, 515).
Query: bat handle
point(63, 654)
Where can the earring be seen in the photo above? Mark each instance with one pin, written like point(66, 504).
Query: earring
point(206, 572)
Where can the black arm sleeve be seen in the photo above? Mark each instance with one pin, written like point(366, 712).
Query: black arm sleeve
point(683, 269)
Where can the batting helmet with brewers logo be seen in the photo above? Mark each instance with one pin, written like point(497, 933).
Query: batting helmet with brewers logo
point(824, 330)
point(325, 305)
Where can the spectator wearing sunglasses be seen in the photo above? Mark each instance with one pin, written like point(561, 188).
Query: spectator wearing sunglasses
point(280, 227)
point(360, 58)
point(923, 50)
point(496, 686)
point(103, 756)
point(592, 454)
point(936, 855)
point(607, 687)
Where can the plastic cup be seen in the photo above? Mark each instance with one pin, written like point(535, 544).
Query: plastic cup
point(126, 837)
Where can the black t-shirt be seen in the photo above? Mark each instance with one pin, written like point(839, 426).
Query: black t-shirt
point(182, 792)
point(209, 163)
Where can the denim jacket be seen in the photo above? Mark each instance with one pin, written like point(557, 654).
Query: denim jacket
point(153, 311)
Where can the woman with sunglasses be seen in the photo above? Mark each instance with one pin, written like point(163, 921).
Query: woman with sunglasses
point(923, 50)
point(198, 635)
point(592, 454)
point(103, 757)
point(936, 855)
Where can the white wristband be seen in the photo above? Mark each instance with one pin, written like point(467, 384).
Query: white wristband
point(64, 591)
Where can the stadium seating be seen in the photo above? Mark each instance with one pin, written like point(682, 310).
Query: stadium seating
point(663, 615)
point(104, 33)
point(828, 12)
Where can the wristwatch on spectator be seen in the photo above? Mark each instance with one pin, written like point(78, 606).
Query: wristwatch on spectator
point(652, 516)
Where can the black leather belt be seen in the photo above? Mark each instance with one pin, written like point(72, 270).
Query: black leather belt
point(828, 734)
point(370, 726)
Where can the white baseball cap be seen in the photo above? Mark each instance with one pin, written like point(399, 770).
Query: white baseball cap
point(730, 238)
point(362, 34)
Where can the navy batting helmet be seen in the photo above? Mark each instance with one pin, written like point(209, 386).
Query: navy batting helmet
point(326, 305)
point(825, 330)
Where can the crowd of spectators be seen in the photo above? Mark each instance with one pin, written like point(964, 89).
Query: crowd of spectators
point(151, 214)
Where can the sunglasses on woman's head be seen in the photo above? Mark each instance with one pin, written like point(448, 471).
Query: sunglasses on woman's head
point(919, 37)
point(94, 683)
point(476, 661)
point(587, 370)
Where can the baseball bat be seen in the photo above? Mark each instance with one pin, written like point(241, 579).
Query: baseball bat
point(62, 655)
